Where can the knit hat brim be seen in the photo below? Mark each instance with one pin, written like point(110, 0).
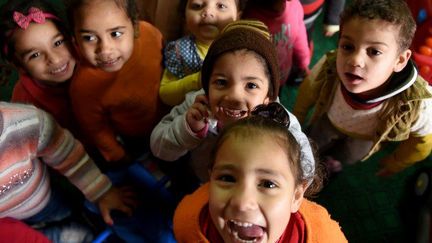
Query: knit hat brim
point(243, 36)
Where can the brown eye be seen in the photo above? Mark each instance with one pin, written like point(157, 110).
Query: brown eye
point(251, 86)
point(267, 184)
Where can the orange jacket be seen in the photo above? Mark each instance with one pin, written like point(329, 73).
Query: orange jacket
point(319, 226)
point(125, 103)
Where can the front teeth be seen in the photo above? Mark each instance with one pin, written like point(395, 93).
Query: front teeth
point(235, 233)
point(234, 113)
point(242, 224)
point(59, 70)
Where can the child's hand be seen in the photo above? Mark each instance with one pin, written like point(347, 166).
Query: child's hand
point(197, 114)
point(330, 30)
point(122, 199)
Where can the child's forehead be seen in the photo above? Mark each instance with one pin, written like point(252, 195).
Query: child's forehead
point(375, 22)
point(374, 25)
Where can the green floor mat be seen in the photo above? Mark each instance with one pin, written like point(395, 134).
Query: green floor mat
point(367, 207)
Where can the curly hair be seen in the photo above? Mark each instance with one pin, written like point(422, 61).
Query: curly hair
point(395, 12)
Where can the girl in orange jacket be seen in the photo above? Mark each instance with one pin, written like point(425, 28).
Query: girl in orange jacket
point(256, 189)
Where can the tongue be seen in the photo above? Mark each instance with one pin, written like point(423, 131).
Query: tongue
point(249, 233)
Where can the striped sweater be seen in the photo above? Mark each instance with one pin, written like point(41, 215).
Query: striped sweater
point(30, 140)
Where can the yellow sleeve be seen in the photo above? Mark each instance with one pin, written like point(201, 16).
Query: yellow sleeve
point(172, 90)
point(305, 100)
point(408, 152)
point(308, 92)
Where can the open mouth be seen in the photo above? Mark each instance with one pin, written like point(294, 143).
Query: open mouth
point(108, 63)
point(353, 77)
point(233, 113)
point(245, 232)
point(59, 70)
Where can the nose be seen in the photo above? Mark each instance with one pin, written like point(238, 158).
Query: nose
point(54, 57)
point(234, 93)
point(244, 198)
point(104, 46)
point(356, 59)
point(207, 12)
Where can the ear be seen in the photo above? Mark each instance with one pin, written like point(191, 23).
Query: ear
point(298, 197)
point(266, 100)
point(402, 60)
point(239, 14)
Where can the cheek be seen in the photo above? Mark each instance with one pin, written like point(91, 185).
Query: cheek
point(278, 216)
point(216, 202)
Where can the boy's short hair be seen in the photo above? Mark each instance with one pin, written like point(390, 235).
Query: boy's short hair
point(395, 12)
point(251, 35)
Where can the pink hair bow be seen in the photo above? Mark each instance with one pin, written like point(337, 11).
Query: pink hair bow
point(34, 14)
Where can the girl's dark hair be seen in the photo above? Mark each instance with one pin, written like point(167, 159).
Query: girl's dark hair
point(272, 119)
point(241, 5)
point(396, 12)
point(8, 26)
point(129, 6)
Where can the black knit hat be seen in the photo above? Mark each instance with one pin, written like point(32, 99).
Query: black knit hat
point(244, 34)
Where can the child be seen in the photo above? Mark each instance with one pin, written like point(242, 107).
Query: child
point(40, 50)
point(256, 189)
point(183, 57)
point(313, 8)
point(284, 19)
point(369, 92)
point(31, 140)
point(239, 72)
point(115, 92)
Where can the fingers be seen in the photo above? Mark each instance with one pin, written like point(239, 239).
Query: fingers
point(199, 112)
point(201, 99)
point(105, 212)
point(125, 209)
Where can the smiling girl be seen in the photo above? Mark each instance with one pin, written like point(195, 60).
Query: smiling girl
point(239, 73)
point(35, 41)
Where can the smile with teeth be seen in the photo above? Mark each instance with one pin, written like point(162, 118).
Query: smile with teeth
point(59, 70)
point(233, 113)
point(245, 232)
point(109, 62)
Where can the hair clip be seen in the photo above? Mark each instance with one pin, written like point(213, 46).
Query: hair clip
point(34, 14)
point(274, 111)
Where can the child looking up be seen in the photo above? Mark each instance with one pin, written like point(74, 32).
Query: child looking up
point(256, 189)
point(30, 140)
point(368, 92)
point(115, 92)
point(284, 19)
point(204, 19)
point(239, 73)
point(35, 40)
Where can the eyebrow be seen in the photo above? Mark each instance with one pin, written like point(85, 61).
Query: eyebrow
point(25, 53)
point(109, 30)
point(370, 42)
point(224, 167)
point(247, 78)
point(260, 171)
